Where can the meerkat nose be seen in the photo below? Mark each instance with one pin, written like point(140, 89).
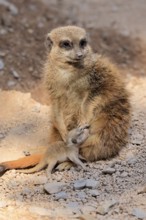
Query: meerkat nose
point(79, 55)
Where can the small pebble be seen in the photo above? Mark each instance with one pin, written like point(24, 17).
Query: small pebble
point(104, 208)
point(91, 183)
point(3, 204)
point(52, 188)
point(11, 83)
point(40, 180)
point(94, 192)
point(124, 174)
point(139, 213)
point(15, 74)
point(1, 64)
point(80, 184)
point(108, 170)
point(61, 195)
point(13, 9)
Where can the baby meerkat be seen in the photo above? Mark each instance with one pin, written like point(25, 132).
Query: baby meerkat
point(62, 152)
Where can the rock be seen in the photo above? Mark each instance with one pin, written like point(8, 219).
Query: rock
point(13, 9)
point(3, 204)
point(80, 184)
point(86, 209)
point(40, 180)
point(2, 136)
point(91, 183)
point(26, 191)
point(2, 53)
point(108, 170)
point(74, 207)
point(3, 31)
point(88, 183)
point(11, 83)
point(15, 74)
point(139, 213)
point(81, 195)
point(141, 191)
point(105, 207)
point(61, 195)
point(131, 161)
point(54, 187)
point(94, 193)
point(1, 64)
point(137, 139)
point(124, 174)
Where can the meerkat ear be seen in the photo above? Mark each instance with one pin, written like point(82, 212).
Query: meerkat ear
point(48, 42)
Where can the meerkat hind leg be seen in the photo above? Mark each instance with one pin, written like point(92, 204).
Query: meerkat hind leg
point(65, 166)
point(77, 161)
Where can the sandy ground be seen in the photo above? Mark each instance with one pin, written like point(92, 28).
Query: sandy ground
point(117, 29)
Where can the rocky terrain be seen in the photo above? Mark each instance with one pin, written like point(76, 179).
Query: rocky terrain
point(114, 189)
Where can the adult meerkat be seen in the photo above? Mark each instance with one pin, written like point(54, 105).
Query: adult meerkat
point(84, 88)
point(60, 151)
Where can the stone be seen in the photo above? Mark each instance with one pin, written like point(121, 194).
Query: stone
point(139, 213)
point(108, 170)
point(91, 183)
point(2, 136)
point(40, 180)
point(13, 9)
point(131, 161)
point(87, 209)
point(11, 83)
point(104, 208)
point(61, 195)
point(81, 195)
point(124, 174)
point(3, 53)
point(52, 188)
point(94, 192)
point(3, 204)
point(1, 64)
point(80, 184)
point(15, 74)
point(142, 190)
point(73, 206)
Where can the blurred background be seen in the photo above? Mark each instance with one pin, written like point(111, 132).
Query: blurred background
point(117, 29)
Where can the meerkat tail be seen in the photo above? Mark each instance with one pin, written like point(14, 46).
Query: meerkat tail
point(37, 168)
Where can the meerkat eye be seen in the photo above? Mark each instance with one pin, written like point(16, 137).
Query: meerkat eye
point(66, 44)
point(83, 43)
point(74, 141)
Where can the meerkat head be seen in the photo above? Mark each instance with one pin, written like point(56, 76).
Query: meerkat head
point(78, 135)
point(68, 44)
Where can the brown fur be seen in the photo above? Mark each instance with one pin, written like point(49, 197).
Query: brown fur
point(86, 90)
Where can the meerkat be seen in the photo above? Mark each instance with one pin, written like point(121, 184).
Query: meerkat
point(60, 152)
point(84, 87)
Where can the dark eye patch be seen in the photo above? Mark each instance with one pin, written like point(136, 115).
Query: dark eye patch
point(83, 43)
point(74, 141)
point(66, 44)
